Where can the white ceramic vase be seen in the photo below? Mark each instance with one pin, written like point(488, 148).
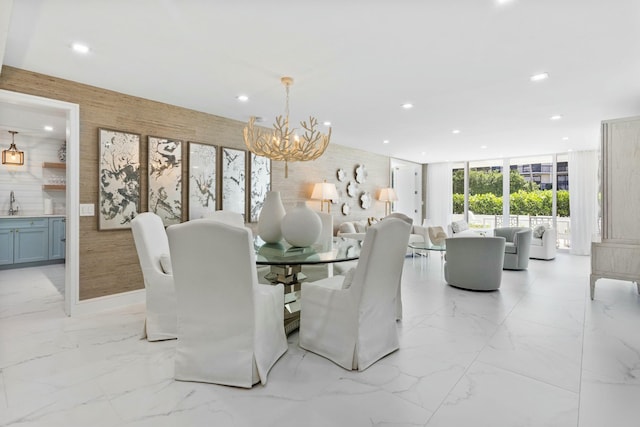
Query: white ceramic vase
point(270, 218)
point(301, 226)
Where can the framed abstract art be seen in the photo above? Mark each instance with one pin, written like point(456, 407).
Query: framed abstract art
point(233, 180)
point(260, 184)
point(119, 179)
point(165, 179)
point(202, 179)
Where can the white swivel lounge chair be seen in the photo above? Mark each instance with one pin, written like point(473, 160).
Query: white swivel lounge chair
point(474, 263)
point(517, 246)
point(230, 328)
point(353, 322)
point(153, 252)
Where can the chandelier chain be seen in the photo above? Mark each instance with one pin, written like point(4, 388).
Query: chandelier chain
point(286, 108)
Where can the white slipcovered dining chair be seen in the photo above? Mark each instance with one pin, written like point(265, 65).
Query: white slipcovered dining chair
point(352, 320)
point(230, 328)
point(343, 268)
point(227, 217)
point(408, 220)
point(152, 247)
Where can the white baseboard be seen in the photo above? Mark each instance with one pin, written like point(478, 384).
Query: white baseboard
point(109, 302)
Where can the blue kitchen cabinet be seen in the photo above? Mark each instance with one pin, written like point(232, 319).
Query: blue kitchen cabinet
point(24, 239)
point(6, 246)
point(31, 240)
point(57, 238)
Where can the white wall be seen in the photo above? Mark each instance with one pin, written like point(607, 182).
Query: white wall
point(26, 181)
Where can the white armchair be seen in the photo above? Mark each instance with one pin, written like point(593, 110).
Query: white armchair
point(152, 246)
point(230, 328)
point(543, 243)
point(352, 320)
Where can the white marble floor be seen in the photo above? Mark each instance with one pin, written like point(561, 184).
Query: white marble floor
point(536, 353)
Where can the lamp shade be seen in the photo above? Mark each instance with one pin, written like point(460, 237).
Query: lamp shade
point(388, 195)
point(324, 191)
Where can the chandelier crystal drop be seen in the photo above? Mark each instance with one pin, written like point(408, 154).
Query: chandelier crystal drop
point(282, 143)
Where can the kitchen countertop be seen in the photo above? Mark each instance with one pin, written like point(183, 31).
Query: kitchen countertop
point(30, 216)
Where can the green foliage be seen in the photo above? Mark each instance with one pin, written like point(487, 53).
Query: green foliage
point(563, 203)
point(458, 184)
point(518, 183)
point(458, 203)
point(483, 182)
point(538, 202)
point(527, 203)
point(485, 204)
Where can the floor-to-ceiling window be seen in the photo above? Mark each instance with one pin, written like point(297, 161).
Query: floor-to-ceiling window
point(563, 216)
point(531, 191)
point(485, 186)
point(537, 192)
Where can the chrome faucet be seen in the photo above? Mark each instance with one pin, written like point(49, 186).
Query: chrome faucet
point(12, 200)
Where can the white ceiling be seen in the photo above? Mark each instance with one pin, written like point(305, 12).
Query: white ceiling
point(464, 64)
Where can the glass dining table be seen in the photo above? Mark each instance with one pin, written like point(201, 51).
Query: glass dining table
point(285, 266)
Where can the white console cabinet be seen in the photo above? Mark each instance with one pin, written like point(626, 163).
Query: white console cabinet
point(617, 256)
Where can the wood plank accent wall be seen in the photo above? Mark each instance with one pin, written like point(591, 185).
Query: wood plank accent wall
point(108, 260)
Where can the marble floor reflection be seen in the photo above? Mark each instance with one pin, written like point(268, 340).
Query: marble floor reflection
point(536, 353)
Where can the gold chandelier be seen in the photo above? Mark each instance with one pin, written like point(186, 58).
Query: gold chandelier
point(283, 144)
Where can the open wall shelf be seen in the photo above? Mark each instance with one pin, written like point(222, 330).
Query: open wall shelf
point(54, 187)
point(50, 165)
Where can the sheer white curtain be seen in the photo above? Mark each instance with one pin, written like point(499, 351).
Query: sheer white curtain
point(583, 199)
point(439, 194)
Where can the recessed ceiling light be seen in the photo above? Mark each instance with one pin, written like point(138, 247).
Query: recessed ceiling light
point(483, 146)
point(565, 138)
point(556, 117)
point(48, 128)
point(80, 48)
point(569, 150)
point(327, 123)
point(424, 153)
point(386, 141)
point(538, 77)
point(455, 131)
point(407, 105)
point(242, 98)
